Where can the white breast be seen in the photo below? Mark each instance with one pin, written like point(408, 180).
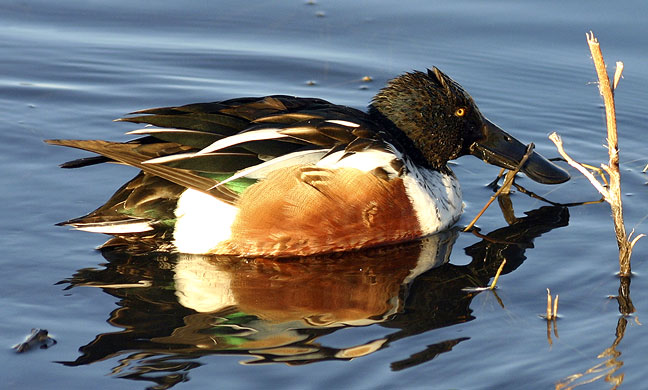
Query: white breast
point(436, 197)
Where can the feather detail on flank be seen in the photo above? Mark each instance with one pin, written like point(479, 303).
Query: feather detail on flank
point(301, 211)
point(435, 196)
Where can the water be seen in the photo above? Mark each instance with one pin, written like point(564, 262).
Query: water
point(69, 68)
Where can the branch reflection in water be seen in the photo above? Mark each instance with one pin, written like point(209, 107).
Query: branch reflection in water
point(607, 369)
point(175, 308)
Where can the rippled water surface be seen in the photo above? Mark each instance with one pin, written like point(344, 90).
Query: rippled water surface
point(380, 319)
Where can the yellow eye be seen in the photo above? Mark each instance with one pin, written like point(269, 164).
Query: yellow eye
point(460, 112)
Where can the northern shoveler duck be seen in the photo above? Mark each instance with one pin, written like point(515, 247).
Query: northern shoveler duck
point(289, 176)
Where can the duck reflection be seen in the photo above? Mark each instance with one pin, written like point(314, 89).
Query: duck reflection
point(174, 308)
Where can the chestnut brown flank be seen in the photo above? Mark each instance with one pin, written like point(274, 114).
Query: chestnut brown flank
point(300, 211)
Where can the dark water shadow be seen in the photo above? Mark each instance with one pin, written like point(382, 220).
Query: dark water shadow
point(175, 308)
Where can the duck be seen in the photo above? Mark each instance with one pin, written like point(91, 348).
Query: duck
point(286, 176)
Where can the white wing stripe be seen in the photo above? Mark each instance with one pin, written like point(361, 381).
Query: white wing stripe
point(120, 228)
point(154, 130)
point(343, 123)
point(256, 135)
point(169, 158)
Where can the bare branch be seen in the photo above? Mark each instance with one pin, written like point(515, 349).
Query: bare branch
point(617, 75)
point(614, 192)
point(599, 187)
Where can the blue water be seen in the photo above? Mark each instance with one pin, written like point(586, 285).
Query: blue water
point(69, 68)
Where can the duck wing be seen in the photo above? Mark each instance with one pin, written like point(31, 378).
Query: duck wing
point(146, 203)
point(206, 145)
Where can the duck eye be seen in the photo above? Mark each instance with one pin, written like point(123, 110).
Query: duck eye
point(460, 112)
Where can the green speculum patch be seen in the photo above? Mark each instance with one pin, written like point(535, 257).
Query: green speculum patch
point(237, 186)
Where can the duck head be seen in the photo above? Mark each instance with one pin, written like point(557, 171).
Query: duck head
point(437, 121)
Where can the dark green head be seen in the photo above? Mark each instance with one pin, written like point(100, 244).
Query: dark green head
point(433, 114)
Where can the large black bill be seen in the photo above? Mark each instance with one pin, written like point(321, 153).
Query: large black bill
point(501, 149)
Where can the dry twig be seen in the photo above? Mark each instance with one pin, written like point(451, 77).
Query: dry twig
point(559, 145)
point(492, 285)
point(505, 187)
point(552, 311)
point(497, 275)
point(612, 194)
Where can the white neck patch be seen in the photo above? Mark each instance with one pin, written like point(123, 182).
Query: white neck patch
point(436, 197)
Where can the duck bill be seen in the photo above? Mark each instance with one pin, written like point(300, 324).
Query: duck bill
point(501, 149)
